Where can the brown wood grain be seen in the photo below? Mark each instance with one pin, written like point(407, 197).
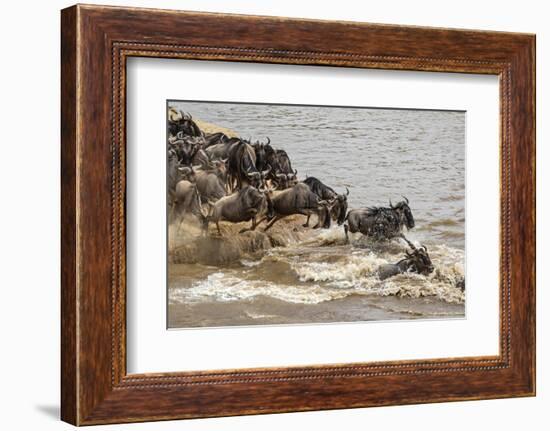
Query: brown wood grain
point(96, 41)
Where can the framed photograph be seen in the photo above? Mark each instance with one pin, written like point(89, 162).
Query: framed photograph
point(292, 215)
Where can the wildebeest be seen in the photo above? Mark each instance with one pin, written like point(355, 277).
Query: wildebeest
point(299, 200)
point(285, 166)
point(200, 158)
point(187, 201)
point(185, 148)
point(210, 185)
point(180, 122)
point(417, 261)
point(265, 156)
point(339, 201)
point(246, 204)
point(241, 167)
point(284, 176)
point(380, 222)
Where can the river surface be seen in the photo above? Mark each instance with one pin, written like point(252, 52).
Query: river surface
point(379, 154)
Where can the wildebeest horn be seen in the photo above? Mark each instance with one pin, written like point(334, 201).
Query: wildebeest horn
point(268, 140)
point(267, 171)
point(347, 191)
point(295, 172)
point(406, 200)
point(391, 206)
point(424, 247)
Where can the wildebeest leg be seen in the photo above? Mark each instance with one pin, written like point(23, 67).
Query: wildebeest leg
point(272, 222)
point(318, 224)
point(252, 226)
point(346, 229)
point(179, 224)
point(306, 224)
point(205, 226)
point(218, 226)
point(403, 237)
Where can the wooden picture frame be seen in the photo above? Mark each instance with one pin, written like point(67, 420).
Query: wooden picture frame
point(95, 43)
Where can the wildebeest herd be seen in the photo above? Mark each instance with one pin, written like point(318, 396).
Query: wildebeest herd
point(217, 178)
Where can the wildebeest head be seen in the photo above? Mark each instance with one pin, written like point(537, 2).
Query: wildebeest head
point(220, 169)
point(186, 147)
point(181, 122)
point(257, 178)
point(292, 179)
point(187, 173)
point(404, 211)
point(282, 181)
point(419, 261)
point(264, 152)
point(339, 207)
point(188, 126)
point(252, 198)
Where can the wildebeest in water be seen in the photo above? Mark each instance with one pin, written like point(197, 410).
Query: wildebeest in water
point(380, 223)
point(417, 261)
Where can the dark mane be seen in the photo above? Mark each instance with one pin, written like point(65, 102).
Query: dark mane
point(377, 210)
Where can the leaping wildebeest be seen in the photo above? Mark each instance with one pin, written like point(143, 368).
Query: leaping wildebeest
point(380, 222)
point(187, 201)
point(245, 204)
point(339, 201)
point(299, 199)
